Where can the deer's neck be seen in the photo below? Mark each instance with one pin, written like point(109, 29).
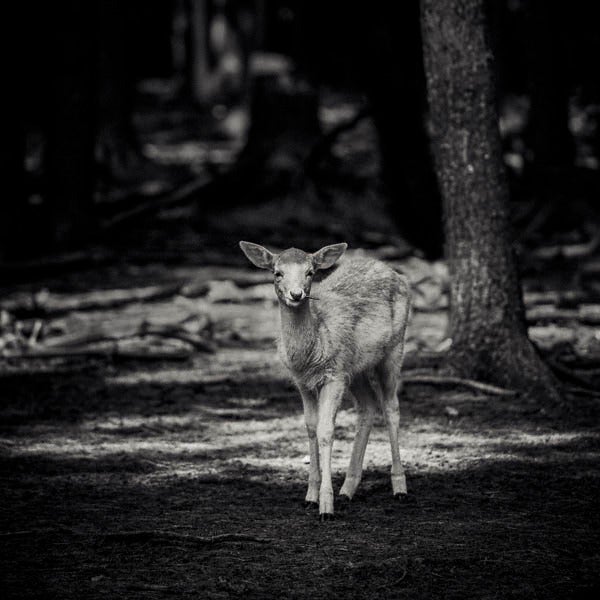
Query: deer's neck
point(300, 342)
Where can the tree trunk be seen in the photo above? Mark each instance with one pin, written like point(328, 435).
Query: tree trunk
point(487, 324)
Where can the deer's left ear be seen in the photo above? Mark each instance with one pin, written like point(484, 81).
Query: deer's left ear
point(258, 255)
point(327, 256)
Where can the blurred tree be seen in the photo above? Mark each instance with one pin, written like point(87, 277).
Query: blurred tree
point(68, 70)
point(360, 48)
point(551, 140)
point(487, 321)
point(116, 147)
point(398, 105)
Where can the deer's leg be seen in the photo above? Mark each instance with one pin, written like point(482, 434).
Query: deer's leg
point(365, 414)
point(330, 399)
point(385, 386)
point(309, 401)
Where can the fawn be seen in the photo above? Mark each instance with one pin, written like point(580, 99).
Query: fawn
point(349, 339)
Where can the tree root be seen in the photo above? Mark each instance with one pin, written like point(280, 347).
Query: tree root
point(479, 386)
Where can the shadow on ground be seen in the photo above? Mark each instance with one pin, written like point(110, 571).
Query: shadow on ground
point(507, 493)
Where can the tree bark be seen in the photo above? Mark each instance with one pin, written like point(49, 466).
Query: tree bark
point(487, 321)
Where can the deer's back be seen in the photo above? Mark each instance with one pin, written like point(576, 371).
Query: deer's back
point(362, 308)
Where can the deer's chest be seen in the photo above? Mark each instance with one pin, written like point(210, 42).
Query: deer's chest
point(306, 363)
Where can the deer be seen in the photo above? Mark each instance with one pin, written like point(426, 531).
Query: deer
point(346, 340)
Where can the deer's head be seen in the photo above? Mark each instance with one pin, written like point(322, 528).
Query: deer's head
point(293, 269)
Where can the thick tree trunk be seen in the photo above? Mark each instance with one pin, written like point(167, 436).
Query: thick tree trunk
point(487, 325)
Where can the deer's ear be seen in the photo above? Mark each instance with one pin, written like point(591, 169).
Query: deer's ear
point(257, 255)
point(327, 256)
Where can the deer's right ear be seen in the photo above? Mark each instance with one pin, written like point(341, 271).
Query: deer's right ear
point(327, 256)
point(258, 256)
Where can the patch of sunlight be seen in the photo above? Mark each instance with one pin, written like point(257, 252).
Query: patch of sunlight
point(222, 367)
point(196, 443)
point(116, 423)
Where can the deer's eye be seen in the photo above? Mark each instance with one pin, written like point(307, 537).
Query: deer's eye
point(310, 273)
point(278, 274)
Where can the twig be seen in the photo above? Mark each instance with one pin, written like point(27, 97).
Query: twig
point(469, 383)
point(198, 342)
point(395, 582)
point(157, 536)
point(26, 532)
point(579, 391)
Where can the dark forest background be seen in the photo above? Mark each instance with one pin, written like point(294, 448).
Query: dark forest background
point(94, 80)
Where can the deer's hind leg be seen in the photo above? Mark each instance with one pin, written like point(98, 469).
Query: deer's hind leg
point(365, 413)
point(385, 383)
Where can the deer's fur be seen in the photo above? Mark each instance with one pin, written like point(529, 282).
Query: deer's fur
point(342, 336)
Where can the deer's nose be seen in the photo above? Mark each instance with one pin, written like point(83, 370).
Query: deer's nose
point(296, 294)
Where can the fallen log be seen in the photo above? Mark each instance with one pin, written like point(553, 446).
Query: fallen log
point(584, 313)
point(45, 303)
point(112, 353)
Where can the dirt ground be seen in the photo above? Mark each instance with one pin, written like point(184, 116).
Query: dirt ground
point(109, 467)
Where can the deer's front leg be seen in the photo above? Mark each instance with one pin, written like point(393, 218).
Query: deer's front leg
point(330, 399)
point(309, 401)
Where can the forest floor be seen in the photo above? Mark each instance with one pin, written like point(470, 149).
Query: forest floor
point(507, 489)
point(127, 476)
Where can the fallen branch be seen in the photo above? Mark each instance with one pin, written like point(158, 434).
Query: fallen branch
point(578, 391)
point(559, 297)
point(568, 250)
point(584, 313)
point(160, 537)
point(468, 383)
point(27, 532)
point(196, 341)
point(47, 303)
point(113, 353)
point(107, 333)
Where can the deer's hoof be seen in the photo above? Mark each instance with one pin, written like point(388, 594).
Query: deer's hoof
point(404, 498)
point(343, 502)
point(326, 517)
point(310, 505)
